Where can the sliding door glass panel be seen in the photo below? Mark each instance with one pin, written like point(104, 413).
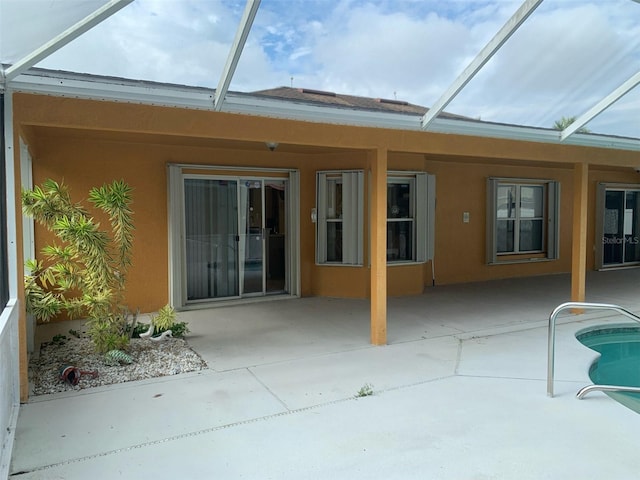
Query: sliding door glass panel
point(632, 227)
point(211, 219)
point(613, 232)
point(252, 236)
point(276, 240)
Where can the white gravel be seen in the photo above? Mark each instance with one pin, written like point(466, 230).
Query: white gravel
point(150, 359)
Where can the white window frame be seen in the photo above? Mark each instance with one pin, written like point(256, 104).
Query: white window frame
point(550, 221)
point(422, 208)
point(352, 215)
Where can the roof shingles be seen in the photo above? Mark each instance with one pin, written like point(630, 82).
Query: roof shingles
point(348, 101)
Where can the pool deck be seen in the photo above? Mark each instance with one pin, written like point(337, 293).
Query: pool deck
point(458, 393)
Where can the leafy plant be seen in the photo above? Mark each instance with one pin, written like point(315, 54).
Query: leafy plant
point(59, 339)
point(165, 319)
point(117, 357)
point(74, 333)
point(85, 274)
point(365, 391)
point(178, 329)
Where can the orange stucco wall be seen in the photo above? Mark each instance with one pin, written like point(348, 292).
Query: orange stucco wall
point(87, 143)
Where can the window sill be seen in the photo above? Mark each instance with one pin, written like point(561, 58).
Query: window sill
point(339, 265)
point(404, 264)
point(522, 260)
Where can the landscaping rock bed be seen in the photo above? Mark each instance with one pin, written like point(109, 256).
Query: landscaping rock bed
point(150, 359)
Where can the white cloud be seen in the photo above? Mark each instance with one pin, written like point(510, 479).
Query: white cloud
point(178, 42)
point(560, 63)
point(563, 59)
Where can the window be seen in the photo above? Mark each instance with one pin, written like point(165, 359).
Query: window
point(339, 227)
point(523, 219)
point(410, 217)
point(400, 220)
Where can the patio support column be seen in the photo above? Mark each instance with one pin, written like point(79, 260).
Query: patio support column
point(579, 233)
point(378, 165)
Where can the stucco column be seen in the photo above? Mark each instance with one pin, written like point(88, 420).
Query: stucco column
point(378, 163)
point(579, 233)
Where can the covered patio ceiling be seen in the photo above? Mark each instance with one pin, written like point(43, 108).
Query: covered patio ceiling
point(545, 61)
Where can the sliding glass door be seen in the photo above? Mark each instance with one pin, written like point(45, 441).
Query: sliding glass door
point(235, 237)
point(621, 227)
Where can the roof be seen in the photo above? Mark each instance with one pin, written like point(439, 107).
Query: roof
point(321, 97)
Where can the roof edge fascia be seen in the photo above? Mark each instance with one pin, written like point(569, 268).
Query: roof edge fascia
point(81, 86)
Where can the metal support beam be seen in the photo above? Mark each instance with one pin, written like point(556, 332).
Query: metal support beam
point(481, 59)
point(601, 106)
point(236, 50)
point(65, 37)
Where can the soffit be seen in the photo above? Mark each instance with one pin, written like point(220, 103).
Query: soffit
point(60, 134)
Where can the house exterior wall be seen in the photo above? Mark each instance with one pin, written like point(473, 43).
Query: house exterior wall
point(87, 143)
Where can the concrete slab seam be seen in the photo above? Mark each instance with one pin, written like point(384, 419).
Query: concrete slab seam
point(215, 429)
point(174, 438)
point(297, 358)
point(273, 394)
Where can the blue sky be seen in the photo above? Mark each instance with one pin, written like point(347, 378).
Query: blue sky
point(567, 56)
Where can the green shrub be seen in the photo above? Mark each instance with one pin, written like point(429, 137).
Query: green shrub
point(86, 273)
point(165, 319)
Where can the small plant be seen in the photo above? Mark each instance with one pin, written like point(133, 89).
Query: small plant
point(59, 339)
point(117, 357)
point(178, 330)
point(165, 319)
point(365, 391)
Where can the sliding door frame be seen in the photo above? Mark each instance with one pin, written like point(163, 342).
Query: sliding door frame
point(176, 175)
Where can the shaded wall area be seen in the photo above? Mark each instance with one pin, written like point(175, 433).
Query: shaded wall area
point(81, 143)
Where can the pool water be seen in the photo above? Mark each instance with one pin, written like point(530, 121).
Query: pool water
point(619, 361)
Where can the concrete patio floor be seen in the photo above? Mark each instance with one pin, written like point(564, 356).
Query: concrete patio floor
point(459, 393)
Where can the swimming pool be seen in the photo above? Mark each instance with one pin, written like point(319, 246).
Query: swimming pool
point(619, 361)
